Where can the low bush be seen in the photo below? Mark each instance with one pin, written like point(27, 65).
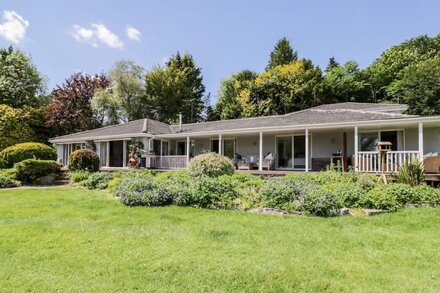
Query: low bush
point(213, 193)
point(277, 193)
point(28, 150)
point(368, 181)
point(11, 173)
point(3, 164)
point(350, 195)
point(426, 195)
point(79, 176)
point(211, 165)
point(6, 182)
point(142, 192)
point(321, 201)
point(84, 160)
point(390, 197)
point(411, 173)
point(30, 170)
point(99, 180)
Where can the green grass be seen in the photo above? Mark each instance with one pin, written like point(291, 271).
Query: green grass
point(66, 239)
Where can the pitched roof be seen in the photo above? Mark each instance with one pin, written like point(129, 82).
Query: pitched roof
point(330, 113)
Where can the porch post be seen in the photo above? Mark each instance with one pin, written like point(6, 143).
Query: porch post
point(421, 140)
point(307, 150)
point(356, 147)
point(187, 150)
point(161, 153)
point(124, 153)
point(220, 151)
point(107, 161)
point(260, 164)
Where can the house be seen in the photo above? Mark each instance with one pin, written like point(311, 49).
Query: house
point(306, 140)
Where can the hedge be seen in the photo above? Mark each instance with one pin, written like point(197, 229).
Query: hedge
point(28, 150)
point(30, 170)
point(84, 160)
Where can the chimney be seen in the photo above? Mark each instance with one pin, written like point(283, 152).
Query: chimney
point(180, 122)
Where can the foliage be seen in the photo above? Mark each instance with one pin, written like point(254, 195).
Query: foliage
point(420, 87)
point(210, 164)
point(390, 197)
point(321, 201)
point(229, 104)
point(79, 176)
point(30, 170)
point(344, 83)
point(282, 54)
point(286, 88)
point(125, 102)
point(7, 182)
point(350, 195)
point(277, 193)
point(3, 164)
point(142, 192)
point(426, 195)
point(135, 147)
point(70, 110)
point(176, 88)
point(99, 180)
point(28, 150)
point(84, 160)
point(20, 82)
point(10, 173)
point(411, 173)
point(213, 193)
point(14, 126)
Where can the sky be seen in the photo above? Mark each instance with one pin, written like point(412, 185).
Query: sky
point(224, 37)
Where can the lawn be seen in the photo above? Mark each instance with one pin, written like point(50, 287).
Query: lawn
point(66, 239)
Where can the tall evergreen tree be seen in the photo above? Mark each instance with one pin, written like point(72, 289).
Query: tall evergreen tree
point(332, 63)
point(282, 54)
point(176, 88)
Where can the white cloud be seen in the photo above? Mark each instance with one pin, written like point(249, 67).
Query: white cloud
point(13, 28)
point(83, 35)
point(98, 33)
point(133, 33)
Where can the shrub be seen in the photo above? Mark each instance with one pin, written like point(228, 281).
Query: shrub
point(426, 195)
point(84, 160)
point(99, 180)
point(79, 176)
point(114, 184)
point(390, 197)
point(350, 195)
point(321, 201)
point(412, 173)
point(142, 192)
point(179, 189)
point(3, 164)
point(28, 150)
point(277, 193)
point(11, 173)
point(30, 170)
point(368, 181)
point(6, 182)
point(211, 165)
point(213, 193)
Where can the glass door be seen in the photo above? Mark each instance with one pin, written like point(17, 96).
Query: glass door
point(229, 148)
point(284, 152)
point(299, 155)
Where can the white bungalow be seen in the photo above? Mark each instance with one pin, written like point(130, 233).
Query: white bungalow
point(305, 140)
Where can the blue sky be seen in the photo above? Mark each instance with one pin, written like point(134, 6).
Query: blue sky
point(223, 36)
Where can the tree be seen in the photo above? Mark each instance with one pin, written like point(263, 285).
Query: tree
point(70, 109)
point(14, 126)
point(20, 82)
point(344, 83)
point(332, 63)
point(176, 88)
point(420, 86)
point(228, 106)
point(126, 99)
point(282, 54)
point(286, 88)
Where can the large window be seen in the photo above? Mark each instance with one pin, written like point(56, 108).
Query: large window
point(368, 140)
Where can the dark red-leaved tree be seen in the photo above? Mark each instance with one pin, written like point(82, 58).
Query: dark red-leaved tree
point(70, 110)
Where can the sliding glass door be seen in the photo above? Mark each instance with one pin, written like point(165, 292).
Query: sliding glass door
point(291, 152)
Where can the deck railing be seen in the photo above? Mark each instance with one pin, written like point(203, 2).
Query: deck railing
point(166, 162)
point(370, 161)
